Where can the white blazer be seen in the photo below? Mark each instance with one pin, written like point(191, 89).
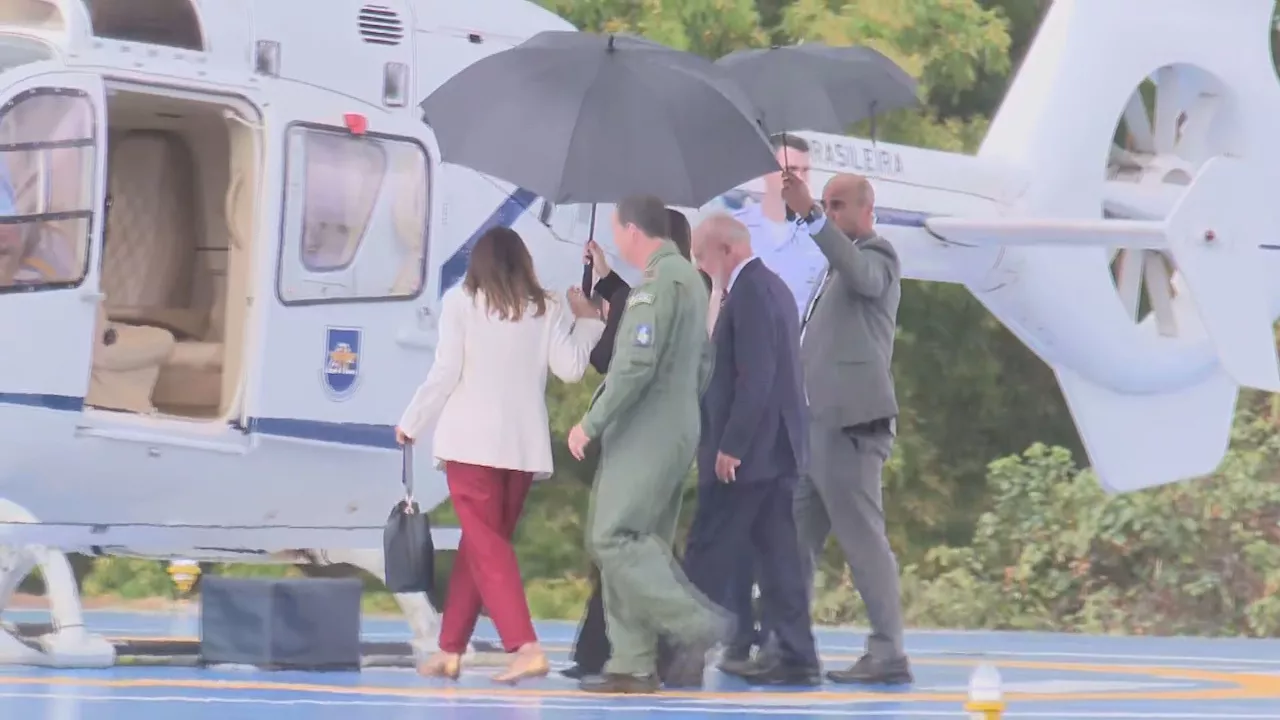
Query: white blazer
point(486, 392)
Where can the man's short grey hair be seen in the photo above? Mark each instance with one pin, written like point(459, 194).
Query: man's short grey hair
point(647, 213)
point(725, 228)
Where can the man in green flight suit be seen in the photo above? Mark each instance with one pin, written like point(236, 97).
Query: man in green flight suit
point(647, 421)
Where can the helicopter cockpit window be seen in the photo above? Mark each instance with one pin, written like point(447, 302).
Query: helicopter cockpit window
point(356, 210)
point(47, 162)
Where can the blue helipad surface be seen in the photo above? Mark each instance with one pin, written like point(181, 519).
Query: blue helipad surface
point(1064, 677)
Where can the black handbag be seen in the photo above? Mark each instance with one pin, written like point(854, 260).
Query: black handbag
point(407, 549)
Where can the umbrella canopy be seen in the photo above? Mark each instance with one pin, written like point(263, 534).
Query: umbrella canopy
point(818, 87)
point(583, 118)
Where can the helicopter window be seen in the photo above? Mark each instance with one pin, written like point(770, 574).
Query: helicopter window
point(47, 158)
point(343, 177)
point(175, 24)
point(356, 210)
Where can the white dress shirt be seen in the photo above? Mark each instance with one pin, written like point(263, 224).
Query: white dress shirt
point(717, 302)
point(486, 391)
point(737, 270)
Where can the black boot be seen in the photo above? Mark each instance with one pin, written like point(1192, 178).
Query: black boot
point(875, 671)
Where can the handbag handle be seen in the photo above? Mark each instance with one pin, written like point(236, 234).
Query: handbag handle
point(406, 475)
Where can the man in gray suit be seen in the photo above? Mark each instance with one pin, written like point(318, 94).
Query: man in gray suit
point(846, 349)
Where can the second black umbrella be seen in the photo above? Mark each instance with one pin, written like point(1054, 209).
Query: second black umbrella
point(818, 87)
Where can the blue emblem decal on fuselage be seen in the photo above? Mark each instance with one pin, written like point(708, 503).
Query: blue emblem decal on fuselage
point(341, 361)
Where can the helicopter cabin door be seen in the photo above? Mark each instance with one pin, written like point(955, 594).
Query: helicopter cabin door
point(346, 335)
point(52, 151)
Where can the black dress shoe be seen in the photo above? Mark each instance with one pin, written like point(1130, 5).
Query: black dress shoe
point(740, 664)
point(619, 684)
point(784, 674)
point(875, 671)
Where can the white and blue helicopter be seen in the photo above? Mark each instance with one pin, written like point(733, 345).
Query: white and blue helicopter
point(228, 232)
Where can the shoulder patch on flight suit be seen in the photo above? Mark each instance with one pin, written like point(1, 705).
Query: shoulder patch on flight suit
point(644, 336)
point(639, 297)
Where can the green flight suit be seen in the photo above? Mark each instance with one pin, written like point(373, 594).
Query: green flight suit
point(647, 421)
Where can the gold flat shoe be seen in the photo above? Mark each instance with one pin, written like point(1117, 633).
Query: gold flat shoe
point(442, 665)
point(522, 669)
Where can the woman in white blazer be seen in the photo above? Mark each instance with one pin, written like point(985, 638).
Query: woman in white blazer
point(486, 397)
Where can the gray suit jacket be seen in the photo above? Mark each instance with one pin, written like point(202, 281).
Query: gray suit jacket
point(847, 345)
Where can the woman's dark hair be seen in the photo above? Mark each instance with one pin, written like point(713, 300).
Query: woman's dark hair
point(681, 235)
point(502, 269)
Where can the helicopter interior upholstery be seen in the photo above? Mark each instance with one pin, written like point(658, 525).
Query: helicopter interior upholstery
point(175, 246)
point(126, 364)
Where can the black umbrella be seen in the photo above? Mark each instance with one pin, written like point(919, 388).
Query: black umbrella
point(583, 118)
point(818, 87)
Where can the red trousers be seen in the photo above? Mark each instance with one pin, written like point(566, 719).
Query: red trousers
point(488, 502)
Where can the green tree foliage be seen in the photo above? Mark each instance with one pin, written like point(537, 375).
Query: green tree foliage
point(127, 578)
point(707, 27)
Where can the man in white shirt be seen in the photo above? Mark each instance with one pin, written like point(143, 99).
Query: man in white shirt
point(776, 236)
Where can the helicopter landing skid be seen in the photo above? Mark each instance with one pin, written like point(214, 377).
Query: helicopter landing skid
point(68, 644)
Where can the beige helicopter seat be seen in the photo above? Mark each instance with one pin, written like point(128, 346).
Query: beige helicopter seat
point(148, 266)
point(126, 364)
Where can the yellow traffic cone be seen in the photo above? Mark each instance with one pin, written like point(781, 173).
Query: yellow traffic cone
point(986, 699)
point(184, 574)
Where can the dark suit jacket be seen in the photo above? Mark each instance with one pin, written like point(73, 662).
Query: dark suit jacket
point(754, 407)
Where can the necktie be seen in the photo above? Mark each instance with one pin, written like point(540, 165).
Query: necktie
point(724, 297)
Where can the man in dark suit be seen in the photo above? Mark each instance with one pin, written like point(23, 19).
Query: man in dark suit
point(847, 349)
point(752, 449)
